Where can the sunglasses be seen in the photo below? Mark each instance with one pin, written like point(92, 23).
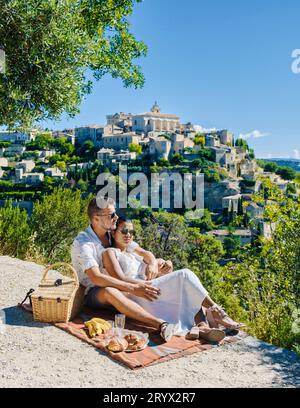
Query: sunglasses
point(126, 231)
point(112, 215)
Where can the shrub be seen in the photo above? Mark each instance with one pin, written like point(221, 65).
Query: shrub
point(14, 231)
point(57, 219)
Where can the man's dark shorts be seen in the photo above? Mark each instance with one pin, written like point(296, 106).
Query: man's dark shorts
point(90, 300)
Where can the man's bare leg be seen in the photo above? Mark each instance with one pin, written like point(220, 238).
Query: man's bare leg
point(127, 306)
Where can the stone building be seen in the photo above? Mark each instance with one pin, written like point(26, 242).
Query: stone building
point(55, 173)
point(120, 141)
point(16, 137)
point(214, 193)
point(244, 234)
point(155, 121)
point(69, 134)
point(94, 133)
point(179, 142)
point(3, 162)
point(121, 120)
point(212, 141)
point(225, 136)
point(26, 165)
point(28, 178)
point(231, 203)
point(160, 147)
point(109, 156)
point(104, 154)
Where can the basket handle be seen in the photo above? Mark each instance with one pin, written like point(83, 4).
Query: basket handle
point(55, 265)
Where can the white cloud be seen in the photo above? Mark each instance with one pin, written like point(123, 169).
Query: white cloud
point(255, 134)
point(296, 154)
point(201, 129)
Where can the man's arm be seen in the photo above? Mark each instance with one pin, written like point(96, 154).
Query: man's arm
point(100, 279)
point(144, 290)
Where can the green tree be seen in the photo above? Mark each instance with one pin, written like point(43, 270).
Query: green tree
point(14, 231)
point(242, 143)
point(270, 166)
point(4, 144)
point(163, 163)
point(204, 223)
point(62, 146)
point(291, 189)
point(286, 173)
point(176, 159)
point(88, 149)
point(41, 141)
point(82, 185)
point(134, 147)
point(52, 46)
point(199, 139)
point(204, 252)
point(232, 245)
point(56, 220)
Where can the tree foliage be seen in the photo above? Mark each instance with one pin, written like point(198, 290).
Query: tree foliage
point(134, 147)
point(51, 48)
point(56, 220)
point(14, 231)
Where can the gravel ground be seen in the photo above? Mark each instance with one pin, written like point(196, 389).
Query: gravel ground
point(39, 355)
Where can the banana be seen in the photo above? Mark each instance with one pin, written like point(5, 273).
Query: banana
point(97, 326)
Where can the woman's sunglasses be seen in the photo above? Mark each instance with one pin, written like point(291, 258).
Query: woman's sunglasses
point(126, 231)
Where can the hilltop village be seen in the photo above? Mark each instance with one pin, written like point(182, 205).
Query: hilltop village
point(33, 162)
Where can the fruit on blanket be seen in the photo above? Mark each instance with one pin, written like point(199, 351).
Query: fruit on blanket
point(117, 344)
point(97, 326)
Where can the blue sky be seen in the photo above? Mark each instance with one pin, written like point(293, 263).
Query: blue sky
point(215, 63)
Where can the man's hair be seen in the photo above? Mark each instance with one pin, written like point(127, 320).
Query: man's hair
point(96, 205)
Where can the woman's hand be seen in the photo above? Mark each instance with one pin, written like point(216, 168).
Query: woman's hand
point(145, 290)
point(164, 267)
point(152, 271)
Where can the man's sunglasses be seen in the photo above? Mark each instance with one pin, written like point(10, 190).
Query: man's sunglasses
point(112, 215)
point(126, 231)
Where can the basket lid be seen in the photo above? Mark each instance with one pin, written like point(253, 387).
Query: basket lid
point(48, 289)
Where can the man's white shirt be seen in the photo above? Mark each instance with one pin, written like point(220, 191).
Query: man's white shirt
point(86, 252)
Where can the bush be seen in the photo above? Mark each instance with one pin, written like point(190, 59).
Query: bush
point(56, 220)
point(14, 231)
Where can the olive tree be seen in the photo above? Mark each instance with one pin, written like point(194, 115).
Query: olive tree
point(52, 47)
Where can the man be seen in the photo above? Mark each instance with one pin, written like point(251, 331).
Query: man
point(104, 291)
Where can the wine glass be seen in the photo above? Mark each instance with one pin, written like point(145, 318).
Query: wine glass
point(110, 333)
point(119, 323)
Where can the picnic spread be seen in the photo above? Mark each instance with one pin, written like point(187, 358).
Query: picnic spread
point(131, 343)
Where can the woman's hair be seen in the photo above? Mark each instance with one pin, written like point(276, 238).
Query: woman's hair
point(123, 219)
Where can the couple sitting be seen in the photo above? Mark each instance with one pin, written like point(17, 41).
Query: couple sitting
point(119, 274)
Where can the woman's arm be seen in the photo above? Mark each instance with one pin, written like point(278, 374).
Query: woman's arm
point(150, 260)
point(111, 264)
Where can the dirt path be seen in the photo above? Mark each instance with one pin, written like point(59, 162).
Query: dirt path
point(40, 355)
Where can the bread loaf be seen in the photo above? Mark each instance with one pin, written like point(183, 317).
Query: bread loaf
point(117, 344)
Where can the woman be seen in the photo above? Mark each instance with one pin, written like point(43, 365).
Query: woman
point(182, 294)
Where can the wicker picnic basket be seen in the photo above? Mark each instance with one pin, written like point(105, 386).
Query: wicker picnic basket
point(57, 300)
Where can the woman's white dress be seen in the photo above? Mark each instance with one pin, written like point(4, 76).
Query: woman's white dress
point(181, 295)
